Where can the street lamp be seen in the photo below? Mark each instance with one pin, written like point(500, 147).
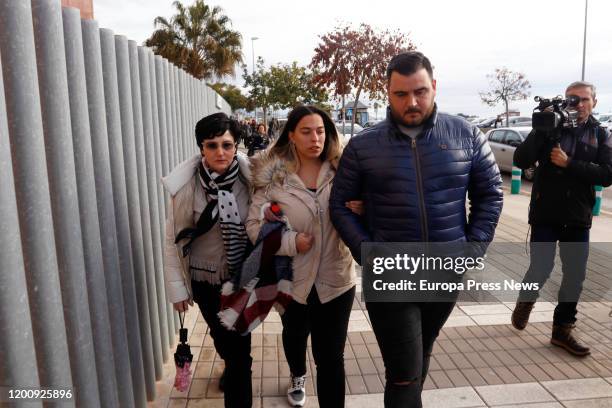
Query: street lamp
point(253, 69)
point(586, 8)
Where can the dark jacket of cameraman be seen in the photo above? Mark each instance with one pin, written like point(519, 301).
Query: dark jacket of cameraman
point(565, 196)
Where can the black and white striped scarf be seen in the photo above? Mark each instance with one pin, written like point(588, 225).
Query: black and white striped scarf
point(222, 207)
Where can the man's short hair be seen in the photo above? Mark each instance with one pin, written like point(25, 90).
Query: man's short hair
point(407, 63)
point(581, 84)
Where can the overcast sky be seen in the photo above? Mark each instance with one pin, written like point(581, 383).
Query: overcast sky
point(465, 40)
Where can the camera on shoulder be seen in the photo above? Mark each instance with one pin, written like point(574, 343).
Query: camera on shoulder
point(555, 113)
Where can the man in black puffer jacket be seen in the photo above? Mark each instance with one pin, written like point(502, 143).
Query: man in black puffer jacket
point(413, 172)
point(562, 200)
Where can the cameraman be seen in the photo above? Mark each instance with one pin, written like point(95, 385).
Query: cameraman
point(562, 199)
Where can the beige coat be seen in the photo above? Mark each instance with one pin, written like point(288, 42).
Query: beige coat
point(328, 265)
point(207, 252)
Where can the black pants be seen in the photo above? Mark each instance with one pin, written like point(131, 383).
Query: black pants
point(406, 333)
point(574, 253)
point(233, 348)
point(328, 323)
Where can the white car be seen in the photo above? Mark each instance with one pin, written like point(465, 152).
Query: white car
point(372, 123)
point(503, 142)
point(517, 121)
point(606, 120)
point(345, 134)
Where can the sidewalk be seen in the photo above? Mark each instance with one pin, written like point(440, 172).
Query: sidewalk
point(479, 360)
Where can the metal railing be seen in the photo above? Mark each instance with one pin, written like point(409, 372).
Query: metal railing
point(89, 123)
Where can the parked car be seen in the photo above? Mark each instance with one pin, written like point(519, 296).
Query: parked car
point(371, 123)
point(486, 123)
point(497, 122)
point(503, 142)
point(516, 121)
point(606, 120)
point(345, 134)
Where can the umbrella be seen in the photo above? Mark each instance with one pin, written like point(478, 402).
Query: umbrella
point(182, 360)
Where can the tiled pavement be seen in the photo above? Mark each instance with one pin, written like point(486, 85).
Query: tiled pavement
point(479, 360)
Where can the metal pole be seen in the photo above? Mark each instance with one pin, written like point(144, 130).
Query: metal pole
point(161, 85)
point(170, 140)
point(161, 70)
point(158, 223)
point(172, 156)
point(90, 229)
point(32, 192)
point(18, 365)
point(111, 74)
point(55, 105)
point(586, 9)
point(105, 201)
point(145, 157)
point(184, 99)
point(128, 117)
point(253, 70)
point(179, 120)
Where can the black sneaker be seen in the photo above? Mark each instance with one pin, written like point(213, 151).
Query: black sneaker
point(296, 394)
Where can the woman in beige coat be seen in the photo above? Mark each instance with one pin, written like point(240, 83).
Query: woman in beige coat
point(297, 173)
point(206, 241)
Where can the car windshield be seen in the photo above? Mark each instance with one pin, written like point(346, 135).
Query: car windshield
point(524, 133)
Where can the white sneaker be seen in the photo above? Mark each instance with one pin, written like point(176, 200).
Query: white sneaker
point(296, 394)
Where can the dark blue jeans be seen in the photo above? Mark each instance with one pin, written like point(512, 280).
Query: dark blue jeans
point(406, 333)
point(574, 252)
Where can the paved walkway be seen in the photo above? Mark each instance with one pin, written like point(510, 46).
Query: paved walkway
point(479, 360)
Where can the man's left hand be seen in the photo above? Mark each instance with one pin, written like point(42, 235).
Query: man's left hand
point(558, 157)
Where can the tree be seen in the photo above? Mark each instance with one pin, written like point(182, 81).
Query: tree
point(199, 40)
point(283, 86)
point(505, 86)
point(231, 94)
point(259, 83)
point(292, 85)
point(348, 59)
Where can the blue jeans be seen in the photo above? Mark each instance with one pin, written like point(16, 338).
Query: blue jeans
point(574, 252)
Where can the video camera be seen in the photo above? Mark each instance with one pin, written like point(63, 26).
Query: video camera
point(555, 113)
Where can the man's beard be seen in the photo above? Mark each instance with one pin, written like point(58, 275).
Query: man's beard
point(399, 118)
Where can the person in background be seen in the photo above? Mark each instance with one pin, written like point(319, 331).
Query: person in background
point(562, 200)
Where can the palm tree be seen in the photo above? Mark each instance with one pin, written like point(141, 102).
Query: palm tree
point(199, 40)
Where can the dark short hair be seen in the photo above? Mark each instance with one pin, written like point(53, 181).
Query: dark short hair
point(407, 63)
point(216, 125)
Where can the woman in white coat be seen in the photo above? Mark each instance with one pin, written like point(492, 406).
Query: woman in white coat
point(206, 240)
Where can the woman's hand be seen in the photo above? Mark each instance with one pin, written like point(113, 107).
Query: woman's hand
point(183, 305)
point(355, 206)
point(303, 242)
point(269, 215)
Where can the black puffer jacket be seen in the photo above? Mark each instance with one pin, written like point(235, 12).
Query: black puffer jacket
point(415, 190)
point(566, 196)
